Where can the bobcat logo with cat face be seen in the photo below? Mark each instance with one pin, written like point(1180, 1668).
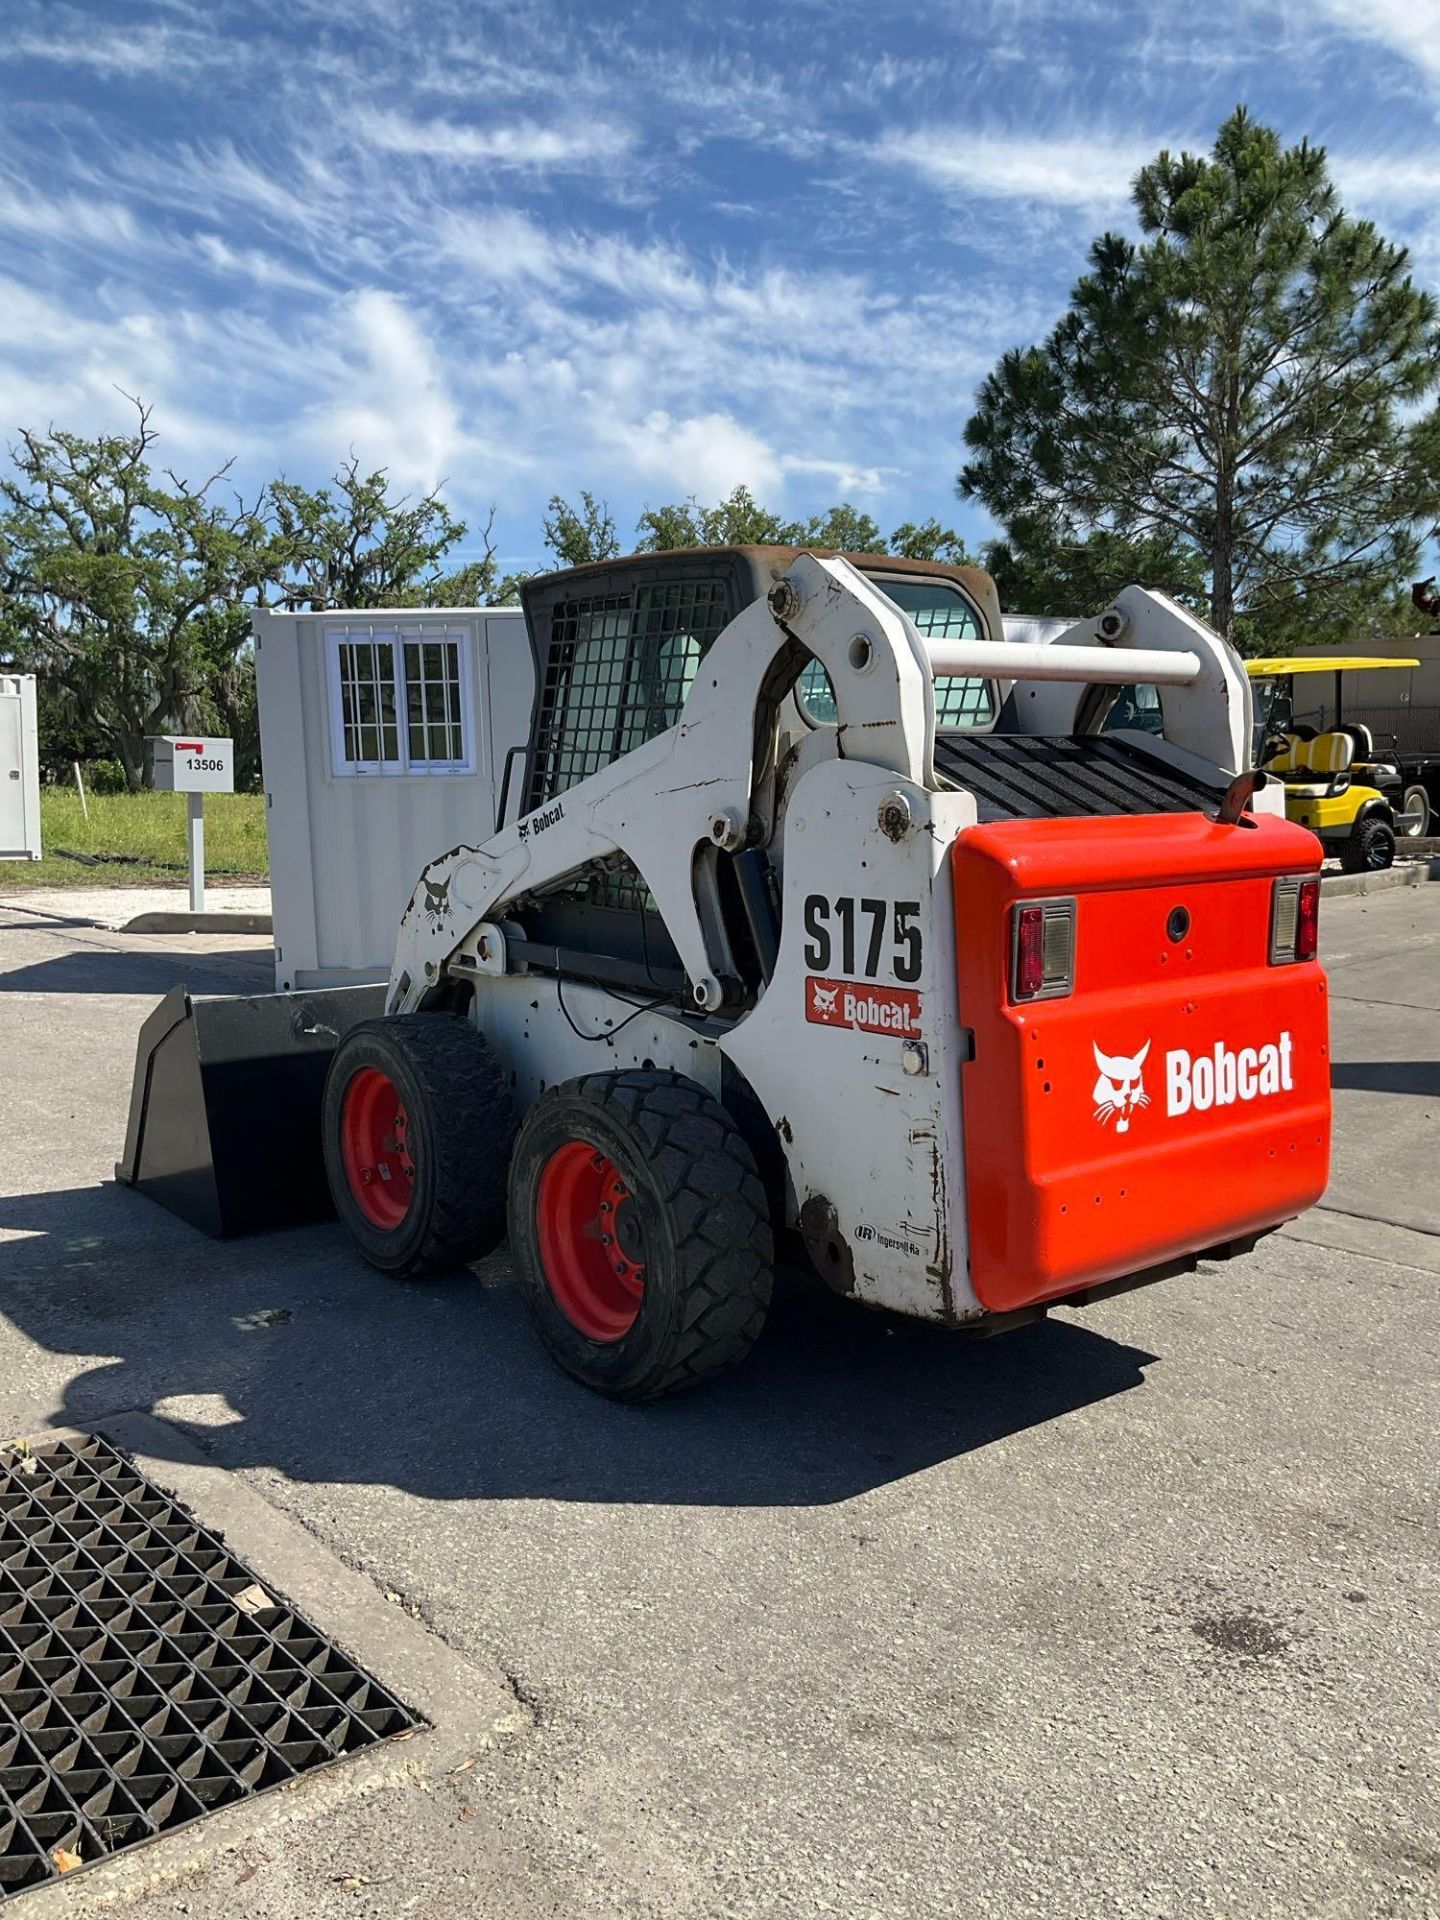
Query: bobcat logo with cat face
point(824, 998)
point(1120, 1090)
point(437, 899)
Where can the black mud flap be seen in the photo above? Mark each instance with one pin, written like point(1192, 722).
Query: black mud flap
point(224, 1125)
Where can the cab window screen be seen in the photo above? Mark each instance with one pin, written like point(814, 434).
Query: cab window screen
point(618, 670)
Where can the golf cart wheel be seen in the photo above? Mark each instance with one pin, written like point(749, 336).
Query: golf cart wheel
point(418, 1126)
point(1369, 849)
point(641, 1233)
point(1417, 805)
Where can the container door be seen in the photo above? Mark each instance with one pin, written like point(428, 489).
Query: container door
point(12, 779)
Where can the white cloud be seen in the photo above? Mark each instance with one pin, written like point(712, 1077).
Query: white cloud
point(120, 55)
point(1388, 180)
point(1410, 28)
point(504, 245)
point(253, 264)
point(390, 400)
point(302, 193)
point(708, 454)
point(500, 244)
point(1086, 173)
point(847, 478)
point(60, 367)
point(519, 144)
point(72, 218)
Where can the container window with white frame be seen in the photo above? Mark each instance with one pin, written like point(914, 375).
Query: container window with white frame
point(400, 699)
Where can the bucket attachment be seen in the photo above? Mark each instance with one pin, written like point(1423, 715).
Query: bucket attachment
point(224, 1125)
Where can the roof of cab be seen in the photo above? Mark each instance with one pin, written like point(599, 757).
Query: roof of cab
point(776, 561)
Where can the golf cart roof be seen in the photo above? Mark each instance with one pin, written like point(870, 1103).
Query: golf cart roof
point(1321, 663)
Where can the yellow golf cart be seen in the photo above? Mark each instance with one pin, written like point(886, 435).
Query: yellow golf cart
point(1335, 781)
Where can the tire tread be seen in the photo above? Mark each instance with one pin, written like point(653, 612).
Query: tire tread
point(471, 1133)
point(707, 1181)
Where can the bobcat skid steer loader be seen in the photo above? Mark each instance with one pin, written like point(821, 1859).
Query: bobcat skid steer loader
point(829, 919)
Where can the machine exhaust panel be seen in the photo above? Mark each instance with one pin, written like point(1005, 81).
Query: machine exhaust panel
point(224, 1126)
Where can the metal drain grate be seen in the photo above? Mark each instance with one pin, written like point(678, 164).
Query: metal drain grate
point(146, 1675)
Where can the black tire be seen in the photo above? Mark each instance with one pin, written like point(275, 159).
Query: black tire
point(461, 1130)
point(700, 1220)
point(1370, 847)
point(1417, 801)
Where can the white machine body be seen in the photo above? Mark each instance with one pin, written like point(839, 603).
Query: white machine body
point(854, 1046)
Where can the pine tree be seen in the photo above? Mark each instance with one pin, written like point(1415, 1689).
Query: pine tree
point(1246, 384)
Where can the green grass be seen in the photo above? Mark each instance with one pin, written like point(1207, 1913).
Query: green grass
point(148, 831)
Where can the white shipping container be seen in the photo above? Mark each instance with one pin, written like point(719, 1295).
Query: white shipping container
point(377, 737)
point(19, 769)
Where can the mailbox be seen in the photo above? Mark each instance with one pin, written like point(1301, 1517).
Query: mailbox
point(192, 763)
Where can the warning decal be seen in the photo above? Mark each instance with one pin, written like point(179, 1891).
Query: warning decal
point(845, 1003)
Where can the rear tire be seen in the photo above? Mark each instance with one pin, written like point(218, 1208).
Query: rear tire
point(418, 1127)
point(640, 1230)
point(1417, 801)
point(1369, 849)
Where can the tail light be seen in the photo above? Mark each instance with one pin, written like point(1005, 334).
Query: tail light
point(1294, 921)
point(1307, 920)
point(1042, 949)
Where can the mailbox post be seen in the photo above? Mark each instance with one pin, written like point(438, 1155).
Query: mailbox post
point(189, 764)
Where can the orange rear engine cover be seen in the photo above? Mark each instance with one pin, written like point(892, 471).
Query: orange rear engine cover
point(1179, 1095)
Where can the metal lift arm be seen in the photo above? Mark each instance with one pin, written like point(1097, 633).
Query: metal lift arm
point(667, 804)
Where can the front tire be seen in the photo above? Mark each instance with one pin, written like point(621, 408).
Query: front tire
point(640, 1230)
point(1370, 847)
point(1417, 802)
point(418, 1125)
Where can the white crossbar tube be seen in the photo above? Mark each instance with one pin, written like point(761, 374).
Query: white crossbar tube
point(1031, 660)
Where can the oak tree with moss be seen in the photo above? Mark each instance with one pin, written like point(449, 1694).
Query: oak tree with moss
point(125, 589)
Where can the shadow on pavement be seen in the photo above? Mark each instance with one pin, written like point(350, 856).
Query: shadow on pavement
point(100, 969)
point(334, 1374)
point(1388, 1076)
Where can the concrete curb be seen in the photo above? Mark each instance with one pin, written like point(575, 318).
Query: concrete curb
point(200, 923)
point(468, 1709)
point(1407, 873)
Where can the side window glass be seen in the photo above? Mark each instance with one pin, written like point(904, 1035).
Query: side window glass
point(938, 610)
point(1136, 709)
point(816, 696)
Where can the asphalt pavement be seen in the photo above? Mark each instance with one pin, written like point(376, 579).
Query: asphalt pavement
point(1133, 1612)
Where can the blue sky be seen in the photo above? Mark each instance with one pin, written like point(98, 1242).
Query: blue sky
point(650, 250)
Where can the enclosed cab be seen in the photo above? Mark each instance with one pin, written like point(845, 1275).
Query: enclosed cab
point(616, 649)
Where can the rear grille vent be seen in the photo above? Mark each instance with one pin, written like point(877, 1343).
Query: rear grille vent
point(1020, 776)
